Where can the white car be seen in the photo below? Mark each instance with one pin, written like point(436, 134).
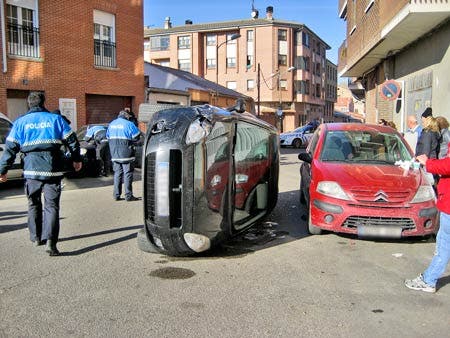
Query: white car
point(15, 172)
point(297, 138)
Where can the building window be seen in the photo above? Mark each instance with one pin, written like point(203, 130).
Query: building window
point(250, 47)
point(282, 35)
point(282, 60)
point(211, 63)
point(303, 62)
point(211, 40)
point(23, 36)
point(305, 39)
point(184, 64)
point(159, 43)
point(317, 70)
point(317, 90)
point(250, 35)
point(283, 84)
point(104, 39)
point(231, 52)
point(250, 84)
point(184, 42)
point(302, 87)
point(231, 85)
point(231, 62)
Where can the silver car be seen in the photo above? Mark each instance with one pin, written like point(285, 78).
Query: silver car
point(16, 171)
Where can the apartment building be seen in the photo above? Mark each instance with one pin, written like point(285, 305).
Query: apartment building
point(405, 42)
point(280, 64)
point(86, 56)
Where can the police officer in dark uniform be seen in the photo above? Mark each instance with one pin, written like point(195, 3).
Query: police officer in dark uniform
point(97, 134)
point(122, 135)
point(39, 135)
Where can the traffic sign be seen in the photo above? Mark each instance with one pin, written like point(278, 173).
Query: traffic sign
point(390, 90)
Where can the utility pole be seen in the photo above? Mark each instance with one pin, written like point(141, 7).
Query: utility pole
point(258, 87)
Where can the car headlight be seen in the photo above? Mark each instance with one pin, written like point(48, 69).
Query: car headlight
point(215, 180)
point(241, 178)
point(423, 194)
point(197, 131)
point(332, 189)
point(83, 151)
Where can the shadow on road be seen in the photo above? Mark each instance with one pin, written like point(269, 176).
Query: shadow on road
point(100, 245)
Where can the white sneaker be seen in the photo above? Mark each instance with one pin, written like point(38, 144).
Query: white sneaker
point(419, 284)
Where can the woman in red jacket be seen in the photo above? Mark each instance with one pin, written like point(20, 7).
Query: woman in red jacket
point(427, 281)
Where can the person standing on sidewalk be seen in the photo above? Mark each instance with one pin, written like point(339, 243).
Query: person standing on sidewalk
point(427, 281)
point(122, 135)
point(39, 135)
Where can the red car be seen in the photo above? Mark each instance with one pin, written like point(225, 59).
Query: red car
point(253, 169)
point(361, 179)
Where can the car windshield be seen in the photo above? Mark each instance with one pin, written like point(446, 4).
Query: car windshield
point(364, 147)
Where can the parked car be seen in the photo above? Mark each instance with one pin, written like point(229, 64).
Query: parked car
point(91, 164)
point(299, 137)
point(360, 179)
point(208, 174)
point(16, 171)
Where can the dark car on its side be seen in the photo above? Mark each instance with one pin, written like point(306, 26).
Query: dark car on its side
point(200, 182)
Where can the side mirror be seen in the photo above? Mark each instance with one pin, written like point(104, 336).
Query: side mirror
point(305, 157)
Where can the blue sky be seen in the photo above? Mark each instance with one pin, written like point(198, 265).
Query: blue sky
point(321, 16)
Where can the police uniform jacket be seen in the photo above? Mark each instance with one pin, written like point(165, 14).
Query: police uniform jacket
point(39, 135)
point(122, 135)
point(96, 133)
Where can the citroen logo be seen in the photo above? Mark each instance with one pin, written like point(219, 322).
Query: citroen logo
point(381, 196)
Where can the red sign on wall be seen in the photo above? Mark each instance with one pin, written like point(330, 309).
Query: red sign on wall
point(390, 90)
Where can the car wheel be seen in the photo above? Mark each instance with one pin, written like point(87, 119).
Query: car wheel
point(313, 230)
point(144, 244)
point(297, 143)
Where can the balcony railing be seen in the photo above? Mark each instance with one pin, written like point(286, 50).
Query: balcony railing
point(23, 40)
point(104, 53)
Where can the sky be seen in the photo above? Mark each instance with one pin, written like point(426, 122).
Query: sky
point(321, 16)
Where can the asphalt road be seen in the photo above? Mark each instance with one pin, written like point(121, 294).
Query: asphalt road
point(274, 281)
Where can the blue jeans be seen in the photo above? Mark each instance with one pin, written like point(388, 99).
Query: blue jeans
point(43, 223)
point(442, 255)
point(123, 172)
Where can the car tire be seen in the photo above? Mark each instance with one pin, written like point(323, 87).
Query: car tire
point(144, 243)
point(313, 230)
point(297, 143)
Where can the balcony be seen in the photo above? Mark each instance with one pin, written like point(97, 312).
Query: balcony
point(23, 41)
point(105, 54)
point(374, 40)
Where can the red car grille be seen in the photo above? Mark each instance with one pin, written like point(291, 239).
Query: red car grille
point(355, 221)
point(381, 196)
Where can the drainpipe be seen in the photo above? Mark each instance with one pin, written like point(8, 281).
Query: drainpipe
point(2, 28)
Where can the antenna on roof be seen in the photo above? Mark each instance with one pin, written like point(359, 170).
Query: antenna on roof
point(255, 12)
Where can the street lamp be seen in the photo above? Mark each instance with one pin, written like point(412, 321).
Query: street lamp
point(280, 103)
point(232, 37)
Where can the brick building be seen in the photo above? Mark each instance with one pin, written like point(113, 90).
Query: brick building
point(280, 64)
point(405, 41)
point(86, 56)
point(331, 91)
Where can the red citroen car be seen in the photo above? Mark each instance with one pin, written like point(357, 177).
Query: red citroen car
point(361, 179)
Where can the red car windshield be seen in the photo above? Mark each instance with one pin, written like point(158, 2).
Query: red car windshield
point(364, 146)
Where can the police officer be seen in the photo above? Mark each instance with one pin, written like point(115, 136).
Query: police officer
point(122, 135)
point(97, 134)
point(39, 135)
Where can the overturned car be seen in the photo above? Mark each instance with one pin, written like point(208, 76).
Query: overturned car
point(208, 174)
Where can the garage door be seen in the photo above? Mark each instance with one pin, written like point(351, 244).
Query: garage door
point(105, 108)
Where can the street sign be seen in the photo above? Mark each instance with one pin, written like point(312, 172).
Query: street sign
point(390, 90)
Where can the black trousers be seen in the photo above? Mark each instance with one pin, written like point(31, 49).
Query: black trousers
point(43, 220)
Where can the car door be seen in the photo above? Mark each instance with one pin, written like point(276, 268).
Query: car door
point(15, 171)
point(305, 168)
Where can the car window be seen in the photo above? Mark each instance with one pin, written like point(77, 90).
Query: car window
point(5, 127)
point(364, 146)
